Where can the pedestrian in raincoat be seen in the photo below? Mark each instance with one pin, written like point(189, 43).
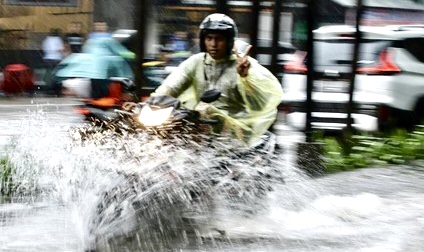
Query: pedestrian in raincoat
point(250, 93)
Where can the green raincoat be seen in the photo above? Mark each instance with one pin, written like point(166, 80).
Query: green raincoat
point(247, 106)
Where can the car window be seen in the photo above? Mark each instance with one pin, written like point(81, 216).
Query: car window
point(415, 47)
point(340, 52)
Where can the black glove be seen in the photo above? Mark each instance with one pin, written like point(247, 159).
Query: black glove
point(210, 95)
point(163, 101)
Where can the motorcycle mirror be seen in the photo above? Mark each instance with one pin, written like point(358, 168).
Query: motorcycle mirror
point(210, 95)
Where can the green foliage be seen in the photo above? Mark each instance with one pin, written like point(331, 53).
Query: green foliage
point(358, 151)
point(5, 177)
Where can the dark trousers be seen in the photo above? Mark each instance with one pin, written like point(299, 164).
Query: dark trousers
point(50, 66)
point(99, 88)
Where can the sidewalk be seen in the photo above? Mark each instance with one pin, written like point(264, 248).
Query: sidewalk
point(35, 99)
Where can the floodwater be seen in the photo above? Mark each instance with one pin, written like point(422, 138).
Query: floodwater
point(373, 209)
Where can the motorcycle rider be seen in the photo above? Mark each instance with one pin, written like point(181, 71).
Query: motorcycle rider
point(250, 93)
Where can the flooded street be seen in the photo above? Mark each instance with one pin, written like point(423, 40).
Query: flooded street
point(19, 113)
point(367, 210)
point(31, 223)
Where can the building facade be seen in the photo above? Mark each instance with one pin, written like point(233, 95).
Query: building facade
point(23, 24)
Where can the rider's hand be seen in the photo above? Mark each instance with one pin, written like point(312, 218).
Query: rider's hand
point(243, 63)
point(163, 101)
point(202, 108)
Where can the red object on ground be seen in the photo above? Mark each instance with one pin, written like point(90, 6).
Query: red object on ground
point(18, 78)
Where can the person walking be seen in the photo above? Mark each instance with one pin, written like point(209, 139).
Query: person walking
point(74, 39)
point(53, 50)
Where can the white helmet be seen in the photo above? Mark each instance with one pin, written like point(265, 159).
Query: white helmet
point(221, 23)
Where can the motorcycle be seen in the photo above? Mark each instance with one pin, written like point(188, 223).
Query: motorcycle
point(175, 197)
point(120, 90)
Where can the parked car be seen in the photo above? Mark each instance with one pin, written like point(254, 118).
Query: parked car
point(389, 80)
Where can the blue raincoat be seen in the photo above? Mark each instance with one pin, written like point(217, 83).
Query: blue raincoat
point(101, 58)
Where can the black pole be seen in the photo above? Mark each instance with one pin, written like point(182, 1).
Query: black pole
point(140, 22)
point(309, 152)
point(98, 13)
point(275, 35)
point(255, 26)
point(311, 71)
point(221, 6)
point(358, 37)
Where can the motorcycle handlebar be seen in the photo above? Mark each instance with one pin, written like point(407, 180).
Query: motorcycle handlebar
point(209, 121)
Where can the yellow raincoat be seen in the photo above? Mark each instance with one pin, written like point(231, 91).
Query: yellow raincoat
point(247, 106)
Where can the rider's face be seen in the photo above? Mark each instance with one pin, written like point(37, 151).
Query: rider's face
point(216, 45)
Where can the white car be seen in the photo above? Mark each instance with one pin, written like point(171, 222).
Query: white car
point(389, 81)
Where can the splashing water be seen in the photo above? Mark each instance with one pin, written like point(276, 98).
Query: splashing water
point(161, 191)
point(169, 187)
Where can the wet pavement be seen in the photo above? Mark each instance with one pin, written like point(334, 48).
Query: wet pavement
point(19, 111)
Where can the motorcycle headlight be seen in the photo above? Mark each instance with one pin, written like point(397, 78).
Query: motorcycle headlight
point(154, 117)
